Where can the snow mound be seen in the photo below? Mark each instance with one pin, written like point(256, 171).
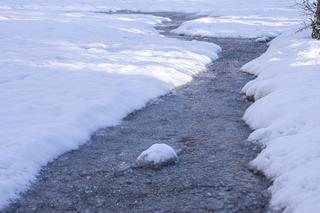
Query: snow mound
point(157, 155)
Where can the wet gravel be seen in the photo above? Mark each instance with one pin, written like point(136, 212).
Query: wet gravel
point(201, 120)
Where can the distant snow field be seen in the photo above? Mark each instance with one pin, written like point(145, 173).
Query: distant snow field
point(251, 26)
point(66, 71)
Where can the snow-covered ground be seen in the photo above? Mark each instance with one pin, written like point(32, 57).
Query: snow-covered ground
point(64, 74)
point(246, 18)
point(246, 26)
point(223, 18)
point(66, 71)
point(286, 117)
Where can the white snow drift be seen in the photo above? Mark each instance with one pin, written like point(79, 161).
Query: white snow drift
point(286, 117)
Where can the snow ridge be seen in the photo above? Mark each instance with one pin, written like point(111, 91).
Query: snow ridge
point(286, 119)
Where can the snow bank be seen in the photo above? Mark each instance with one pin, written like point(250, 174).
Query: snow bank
point(249, 26)
point(213, 7)
point(157, 155)
point(286, 119)
point(63, 75)
point(245, 19)
point(224, 18)
point(65, 72)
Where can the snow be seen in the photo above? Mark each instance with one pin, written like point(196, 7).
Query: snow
point(286, 119)
point(65, 74)
point(263, 39)
point(66, 71)
point(222, 18)
point(205, 7)
point(245, 19)
point(157, 155)
point(249, 26)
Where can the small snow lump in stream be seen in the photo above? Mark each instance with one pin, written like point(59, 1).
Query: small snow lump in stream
point(157, 155)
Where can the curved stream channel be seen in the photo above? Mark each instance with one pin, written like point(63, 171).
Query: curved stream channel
point(201, 119)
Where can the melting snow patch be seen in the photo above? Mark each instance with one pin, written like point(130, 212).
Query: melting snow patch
point(157, 155)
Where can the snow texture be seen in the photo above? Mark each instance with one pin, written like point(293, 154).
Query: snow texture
point(157, 155)
point(244, 18)
point(286, 119)
point(249, 26)
point(65, 74)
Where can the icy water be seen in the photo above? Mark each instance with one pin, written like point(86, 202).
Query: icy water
point(202, 120)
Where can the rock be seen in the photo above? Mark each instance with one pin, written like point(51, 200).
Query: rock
point(250, 98)
point(158, 155)
point(263, 39)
